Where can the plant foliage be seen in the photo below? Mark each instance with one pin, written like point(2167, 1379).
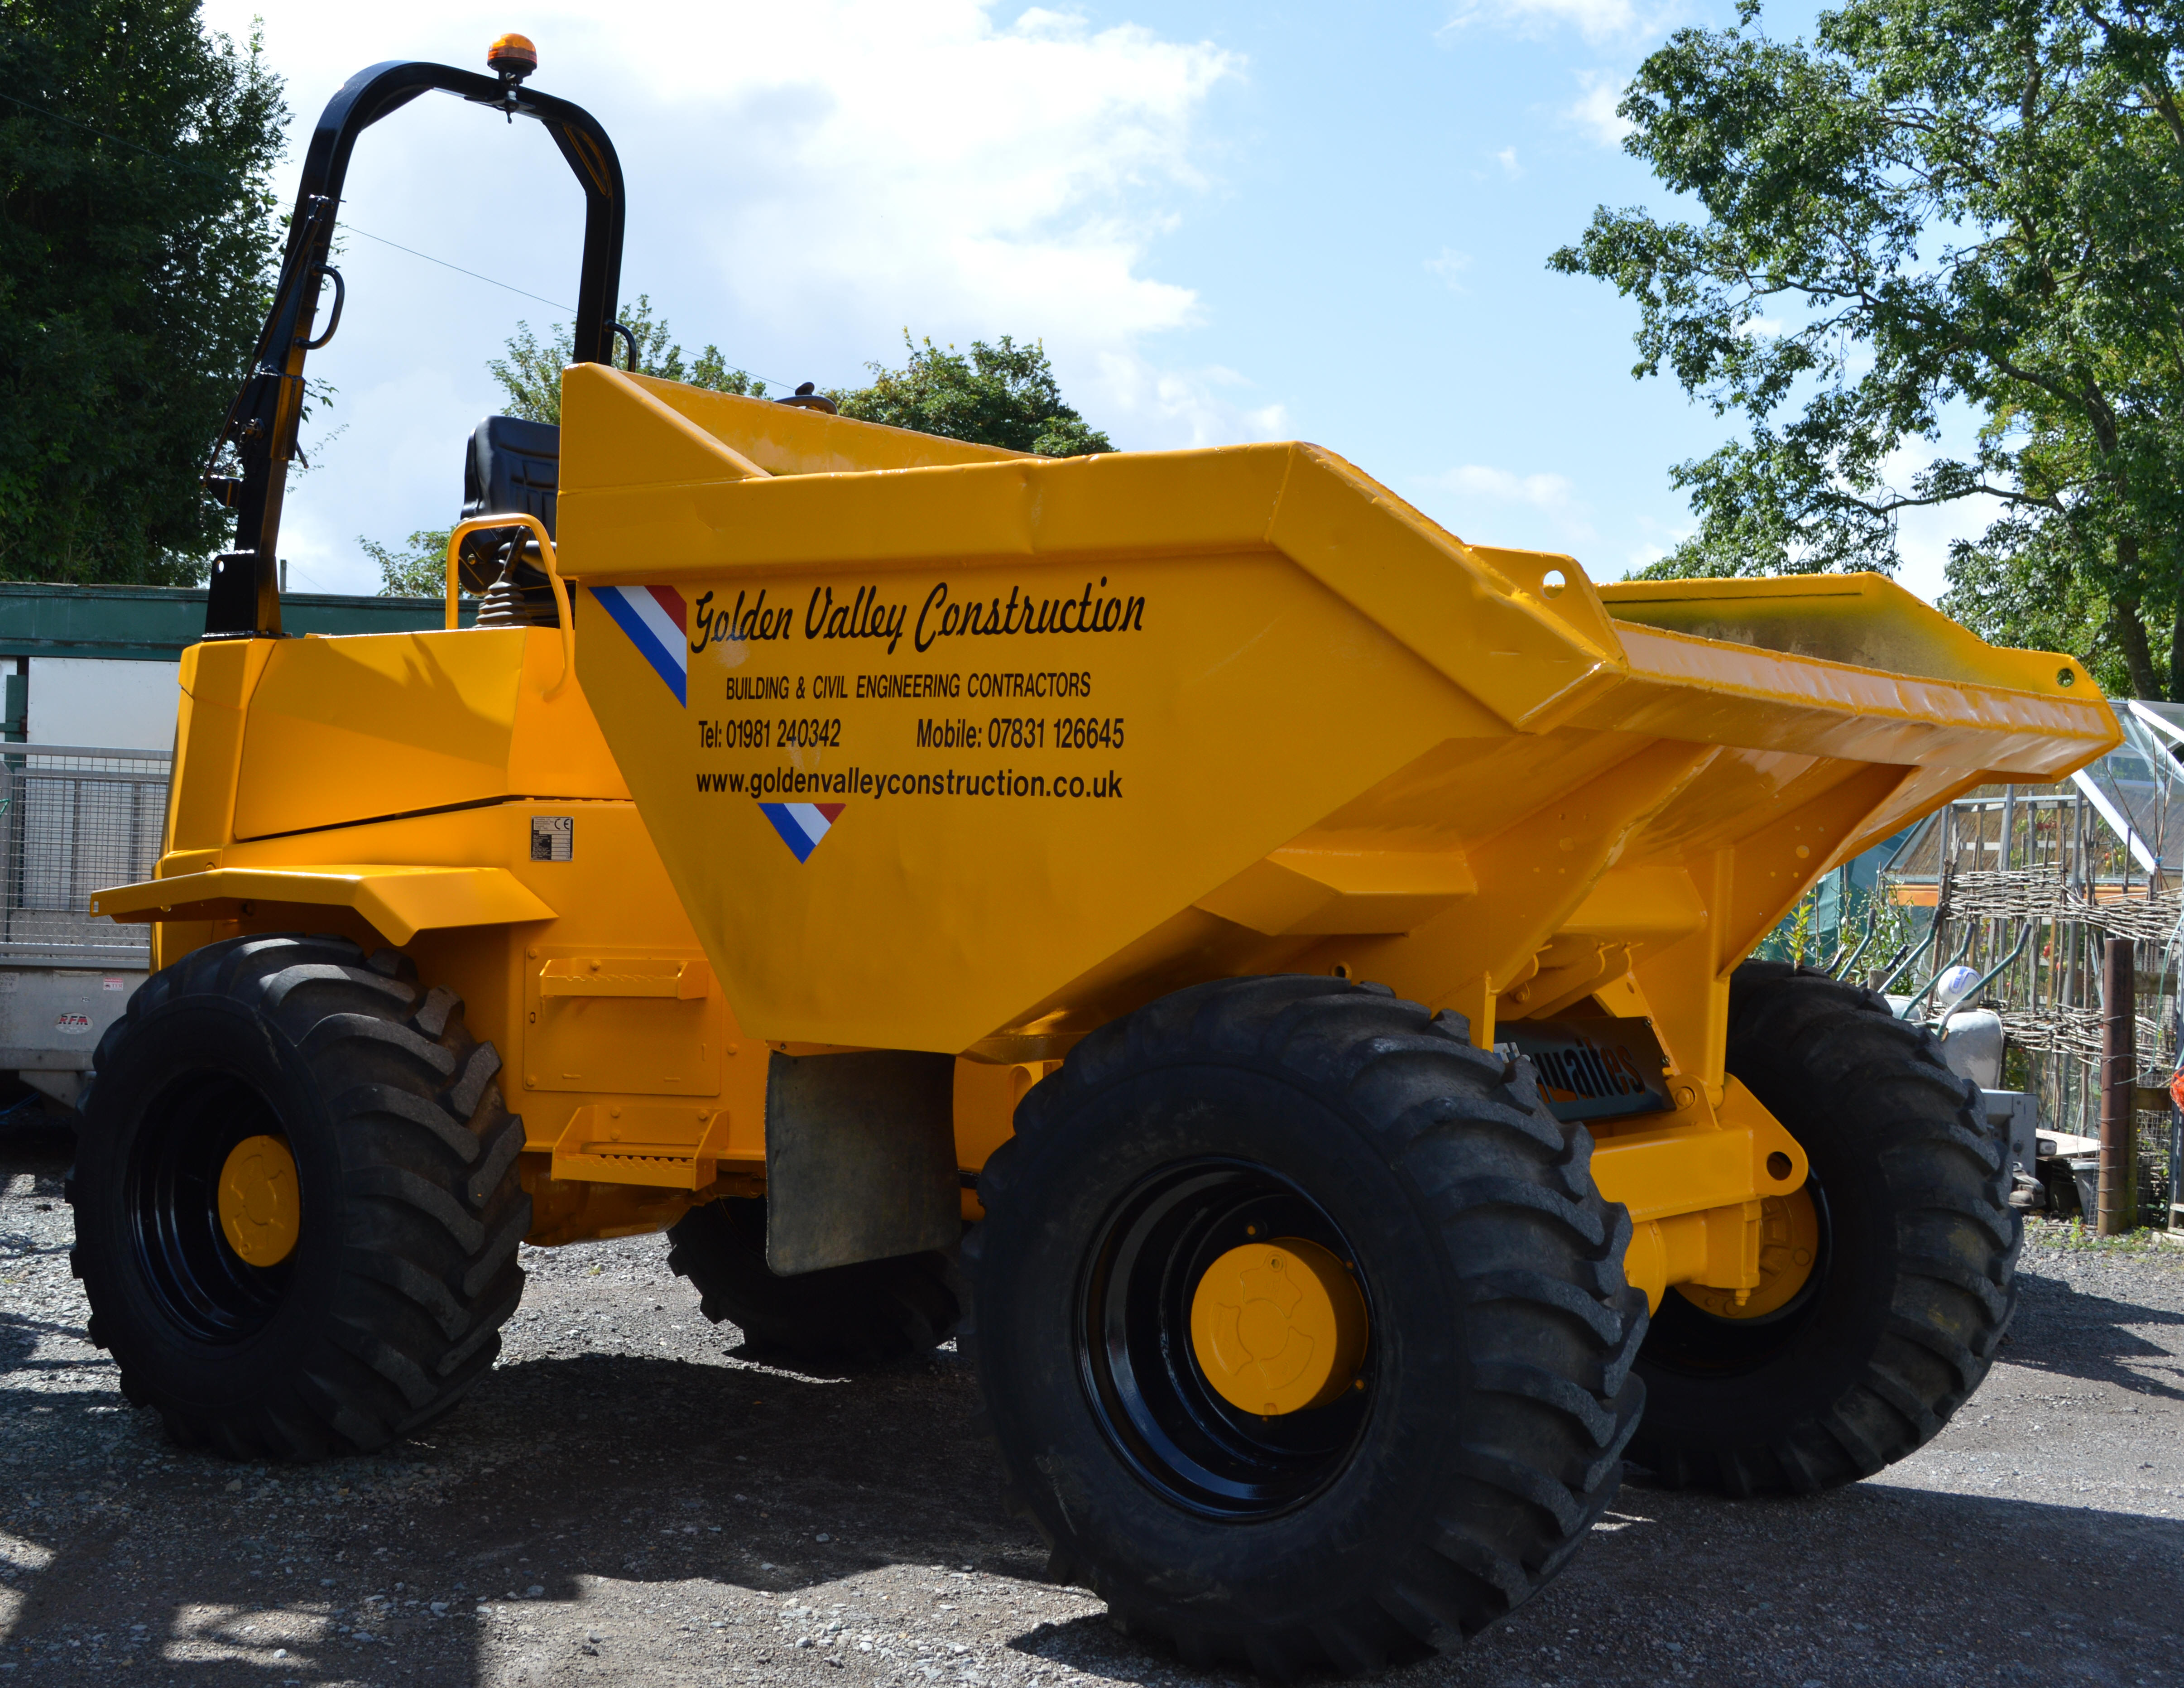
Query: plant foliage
point(1002, 394)
point(1934, 204)
point(530, 370)
point(415, 568)
point(137, 252)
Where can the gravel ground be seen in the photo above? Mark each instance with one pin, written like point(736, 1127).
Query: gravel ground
point(629, 1498)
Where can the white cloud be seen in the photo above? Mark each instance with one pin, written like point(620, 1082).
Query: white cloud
point(1595, 110)
point(938, 163)
point(1596, 20)
point(1506, 158)
point(1552, 496)
point(1654, 540)
point(1448, 265)
point(803, 183)
point(1200, 407)
point(1542, 492)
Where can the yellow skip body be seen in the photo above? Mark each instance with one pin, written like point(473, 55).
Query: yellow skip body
point(1067, 735)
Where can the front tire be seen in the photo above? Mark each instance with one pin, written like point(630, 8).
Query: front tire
point(372, 1296)
point(1914, 1274)
point(1484, 1430)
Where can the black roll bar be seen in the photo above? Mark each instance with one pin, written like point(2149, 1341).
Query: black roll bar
point(245, 599)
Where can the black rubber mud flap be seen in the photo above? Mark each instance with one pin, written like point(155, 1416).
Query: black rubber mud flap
point(859, 1158)
point(403, 1269)
point(1913, 1281)
point(1483, 1432)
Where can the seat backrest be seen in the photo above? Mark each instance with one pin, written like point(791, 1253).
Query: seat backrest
point(512, 465)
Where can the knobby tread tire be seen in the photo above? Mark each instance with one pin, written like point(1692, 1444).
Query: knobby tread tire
point(406, 1265)
point(1454, 1510)
point(1918, 1275)
point(872, 1310)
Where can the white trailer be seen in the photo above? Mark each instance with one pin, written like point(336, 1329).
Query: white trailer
point(72, 818)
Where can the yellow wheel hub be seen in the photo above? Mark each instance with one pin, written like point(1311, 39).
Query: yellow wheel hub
point(1789, 1244)
point(260, 1212)
point(1278, 1327)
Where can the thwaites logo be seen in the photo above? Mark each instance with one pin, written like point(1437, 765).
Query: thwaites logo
point(1591, 1069)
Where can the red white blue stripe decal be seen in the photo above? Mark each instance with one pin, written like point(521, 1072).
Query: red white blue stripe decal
point(802, 824)
point(653, 617)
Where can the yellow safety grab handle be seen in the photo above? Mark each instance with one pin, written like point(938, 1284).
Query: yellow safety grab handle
point(518, 519)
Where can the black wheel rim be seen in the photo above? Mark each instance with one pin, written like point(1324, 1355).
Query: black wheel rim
point(1684, 1337)
point(206, 1289)
point(1141, 1373)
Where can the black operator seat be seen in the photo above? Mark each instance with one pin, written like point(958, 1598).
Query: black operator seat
point(510, 464)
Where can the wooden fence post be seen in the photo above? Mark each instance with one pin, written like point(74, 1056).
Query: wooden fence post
point(2118, 1079)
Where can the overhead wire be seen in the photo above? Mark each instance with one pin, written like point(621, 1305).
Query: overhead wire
point(351, 228)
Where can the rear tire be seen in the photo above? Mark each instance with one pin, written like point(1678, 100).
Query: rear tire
point(872, 1310)
point(389, 1306)
point(1483, 1432)
point(1913, 1281)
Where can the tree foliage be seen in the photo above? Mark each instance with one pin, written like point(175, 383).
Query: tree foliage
point(1934, 204)
point(136, 250)
point(1002, 394)
point(415, 568)
point(530, 370)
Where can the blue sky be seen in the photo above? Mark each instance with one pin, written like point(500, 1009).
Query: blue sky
point(1226, 222)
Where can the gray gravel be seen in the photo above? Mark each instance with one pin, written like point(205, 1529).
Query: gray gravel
point(629, 1498)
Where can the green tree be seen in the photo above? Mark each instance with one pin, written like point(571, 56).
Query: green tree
point(1939, 203)
point(415, 568)
point(137, 252)
point(529, 371)
point(1002, 395)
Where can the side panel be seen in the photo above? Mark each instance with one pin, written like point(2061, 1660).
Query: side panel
point(345, 730)
point(894, 830)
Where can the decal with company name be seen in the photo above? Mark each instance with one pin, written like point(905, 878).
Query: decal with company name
point(778, 682)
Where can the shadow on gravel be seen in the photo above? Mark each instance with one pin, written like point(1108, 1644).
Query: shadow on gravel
point(19, 1340)
point(562, 1468)
point(1876, 1582)
point(36, 1140)
point(554, 1471)
point(2066, 1331)
point(1870, 1584)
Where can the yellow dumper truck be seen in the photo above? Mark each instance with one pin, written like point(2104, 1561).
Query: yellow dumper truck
point(1290, 960)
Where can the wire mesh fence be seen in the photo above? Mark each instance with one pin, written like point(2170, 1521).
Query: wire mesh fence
point(73, 819)
point(2022, 884)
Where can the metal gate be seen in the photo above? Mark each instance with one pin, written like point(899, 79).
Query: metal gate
point(76, 818)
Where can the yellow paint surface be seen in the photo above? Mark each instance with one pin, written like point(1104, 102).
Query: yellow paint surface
point(260, 1206)
point(935, 746)
point(1278, 1327)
